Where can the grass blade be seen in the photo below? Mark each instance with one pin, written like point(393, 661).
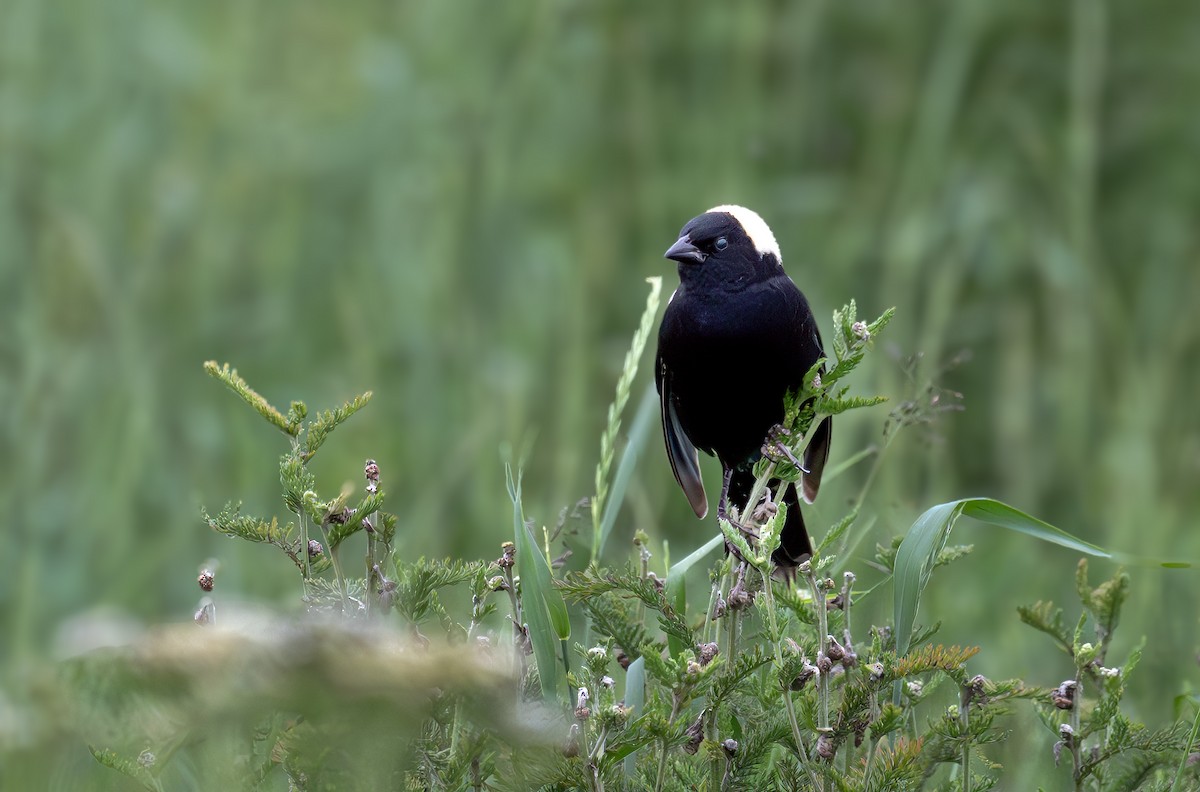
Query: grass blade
point(676, 587)
point(638, 433)
point(635, 699)
point(927, 536)
point(537, 591)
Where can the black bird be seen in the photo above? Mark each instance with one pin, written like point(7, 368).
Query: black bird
point(736, 337)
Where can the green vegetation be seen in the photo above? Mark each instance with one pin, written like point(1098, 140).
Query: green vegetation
point(455, 206)
point(767, 686)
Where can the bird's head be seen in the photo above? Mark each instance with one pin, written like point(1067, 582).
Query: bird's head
point(728, 245)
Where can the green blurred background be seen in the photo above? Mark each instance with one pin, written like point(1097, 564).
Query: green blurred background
point(455, 205)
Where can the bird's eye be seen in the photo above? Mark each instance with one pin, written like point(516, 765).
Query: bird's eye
point(721, 243)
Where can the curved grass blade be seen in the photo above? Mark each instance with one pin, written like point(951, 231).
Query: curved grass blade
point(639, 431)
point(927, 537)
point(543, 605)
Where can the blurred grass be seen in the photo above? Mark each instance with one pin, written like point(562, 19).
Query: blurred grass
point(455, 205)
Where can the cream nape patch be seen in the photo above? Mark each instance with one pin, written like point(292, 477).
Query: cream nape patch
point(755, 227)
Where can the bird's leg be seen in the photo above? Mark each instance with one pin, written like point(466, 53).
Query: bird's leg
point(723, 503)
point(777, 449)
point(723, 514)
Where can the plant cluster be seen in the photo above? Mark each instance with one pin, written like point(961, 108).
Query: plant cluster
point(523, 674)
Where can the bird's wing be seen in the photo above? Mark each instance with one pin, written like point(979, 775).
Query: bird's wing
point(685, 461)
point(815, 455)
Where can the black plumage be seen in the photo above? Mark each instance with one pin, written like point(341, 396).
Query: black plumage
point(736, 337)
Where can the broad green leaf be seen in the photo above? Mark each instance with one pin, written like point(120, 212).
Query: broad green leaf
point(927, 537)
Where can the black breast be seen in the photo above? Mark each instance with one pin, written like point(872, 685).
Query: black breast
point(732, 357)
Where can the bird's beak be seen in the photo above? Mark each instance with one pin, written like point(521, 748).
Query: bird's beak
point(685, 252)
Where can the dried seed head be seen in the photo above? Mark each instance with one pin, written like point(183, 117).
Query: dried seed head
point(806, 673)
point(314, 548)
point(974, 689)
point(824, 663)
point(740, 598)
point(616, 716)
point(371, 470)
point(1063, 696)
point(508, 556)
point(707, 652)
point(203, 617)
point(695, 734)
point(719, 608)
point(205, 580)
point(623, 659)
point(571, 748)
point(764, 511)
point(826, 747)
point(834, 649)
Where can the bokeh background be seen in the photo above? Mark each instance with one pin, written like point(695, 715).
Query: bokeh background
point(455, 205)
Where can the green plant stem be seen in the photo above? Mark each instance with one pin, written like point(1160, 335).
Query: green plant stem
point(964, 720)
point(372, 578)
point(1076, 737)
point(818, 594)
point(337, 566)
point(777, 646)
point(662, 758)
point(871, 742)
point(731, 638)
point(708, 619)
point(714, 761)
point(595, 781)
point(1187, 750)
point(518, 625)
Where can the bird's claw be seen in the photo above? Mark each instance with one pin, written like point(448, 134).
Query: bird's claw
point(747, 531)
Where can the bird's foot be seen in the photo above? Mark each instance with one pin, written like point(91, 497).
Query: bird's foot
point(747, 531)
point(766, 508)
point(777, 450)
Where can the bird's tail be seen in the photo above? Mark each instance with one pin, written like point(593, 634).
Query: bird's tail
point(795, 545)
